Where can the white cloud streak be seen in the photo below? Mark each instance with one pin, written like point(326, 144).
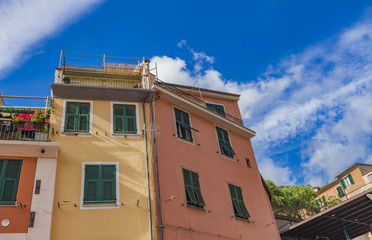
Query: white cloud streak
point(322, 95)
point(26, 22)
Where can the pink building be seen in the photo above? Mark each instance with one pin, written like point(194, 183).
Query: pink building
point(209, 183)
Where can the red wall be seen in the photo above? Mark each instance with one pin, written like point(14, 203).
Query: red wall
point(215, 172)
point(19, 217)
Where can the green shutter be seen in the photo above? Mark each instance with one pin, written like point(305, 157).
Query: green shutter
point(343, 183)
point(183, 125)
point(340, 192)
point(237, 200)
point(77, 117)
point(216, 108)
point(10, 170)
point(224, 142)
point(100, 184)
point(351, 179)
point(192, 189)
point(125, 118)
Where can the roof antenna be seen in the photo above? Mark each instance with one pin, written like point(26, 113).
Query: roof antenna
point(193, 86)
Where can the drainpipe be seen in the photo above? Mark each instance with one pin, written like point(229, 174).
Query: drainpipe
point(147, 170)
point(157, 176)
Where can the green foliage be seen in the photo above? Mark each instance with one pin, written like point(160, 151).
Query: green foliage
point(293, 201)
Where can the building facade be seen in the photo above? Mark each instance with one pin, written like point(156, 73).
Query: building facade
point(100, 120)
point(210, 186)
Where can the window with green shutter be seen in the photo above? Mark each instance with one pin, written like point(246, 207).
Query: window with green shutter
point(340, 192)
point(125, 120)
point(347, 181)
point(192, 187)
point(77, 117)
point(10, 170)
point(224, 142)
point(216, 108)
point(100, 184)
point(183, 125)
point(240, 210)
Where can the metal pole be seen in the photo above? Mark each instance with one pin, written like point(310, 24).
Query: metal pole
point(147, 169)
point(344, 229)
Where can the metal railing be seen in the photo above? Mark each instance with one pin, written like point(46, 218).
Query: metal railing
point(196, 100)
point(24, 131)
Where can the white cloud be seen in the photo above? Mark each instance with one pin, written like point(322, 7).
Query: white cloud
point(26, 22)
point(321, 96)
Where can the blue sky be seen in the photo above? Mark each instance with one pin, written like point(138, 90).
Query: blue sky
point(303, 68)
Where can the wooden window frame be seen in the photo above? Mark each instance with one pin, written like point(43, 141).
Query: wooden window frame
point(224, 142)
point(340, 191)
point(76, 132)
point(125, 118)
point(240, 210)
point(193, 193)
point(214, 107)
point(4, 179)
point(99, 203)
point(183, 130)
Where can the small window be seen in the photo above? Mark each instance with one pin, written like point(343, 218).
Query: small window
point(10, 170)
point(125, 120)
point(240, 210)
point(183, 125)
point(322, 202)
point(370, 178)
point(224, 142)
point(77, 117)
point(248, 163)
point(216, 108)
point(347, 181)
point(340, 192)
point(192, 187)
point(100, 184)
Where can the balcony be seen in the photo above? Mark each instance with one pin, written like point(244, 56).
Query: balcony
point(96, 70)
point(24, 124)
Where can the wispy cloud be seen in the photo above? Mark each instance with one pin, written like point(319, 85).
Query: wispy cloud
point(321, 97)
point(26, 22)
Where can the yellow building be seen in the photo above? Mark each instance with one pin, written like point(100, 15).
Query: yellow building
point(101, 120)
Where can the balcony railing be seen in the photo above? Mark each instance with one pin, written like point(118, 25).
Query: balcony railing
point(196, 100)
point(24, 131)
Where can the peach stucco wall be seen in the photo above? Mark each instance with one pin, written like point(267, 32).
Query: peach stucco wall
point(215, 172)
point(19, 217)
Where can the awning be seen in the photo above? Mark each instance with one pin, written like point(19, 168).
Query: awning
point(352, 217)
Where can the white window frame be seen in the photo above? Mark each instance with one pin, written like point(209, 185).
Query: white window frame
point(79, 134)
point(99, 206)
point(123, 135)
point(370, 178)
point(347, 182)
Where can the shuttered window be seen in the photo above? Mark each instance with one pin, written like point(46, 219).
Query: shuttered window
point(10, 170)
point(183, 125)
point(240, 210)
point(77, 117)
point(216, 108)
point(100, 184)
point(125, 118)
point(340, 192)
point(224, 142)
point(192, 188)
point(347, 182)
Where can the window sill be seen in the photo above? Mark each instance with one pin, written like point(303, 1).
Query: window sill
point(196, 207)
point(99, 206)
point(185, 141)
point(76, 134)
point(243, 219)
point(126, 135)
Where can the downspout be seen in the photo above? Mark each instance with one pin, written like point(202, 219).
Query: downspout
point(147, 170)
point(157, 176)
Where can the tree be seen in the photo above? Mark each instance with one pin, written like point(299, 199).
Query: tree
point(293, 201)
